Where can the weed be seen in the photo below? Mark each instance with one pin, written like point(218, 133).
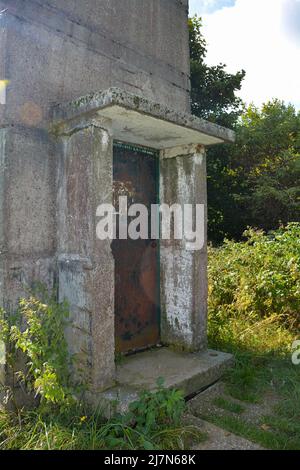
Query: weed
point(228, 405)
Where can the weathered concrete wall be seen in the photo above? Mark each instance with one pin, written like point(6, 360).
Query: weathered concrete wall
point(61, 49)
point(183, 272)
point(28, 238)
point(52, 52)
point(86, 265)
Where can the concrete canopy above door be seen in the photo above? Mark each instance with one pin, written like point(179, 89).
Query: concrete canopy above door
point(85, 130)
point(140, 121)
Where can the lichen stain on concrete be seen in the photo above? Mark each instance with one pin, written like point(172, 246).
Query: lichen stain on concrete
point(198, 158)
point(178, 294)
point(105, 141)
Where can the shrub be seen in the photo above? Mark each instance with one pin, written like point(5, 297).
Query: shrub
point(37, 330)
point(254, 289)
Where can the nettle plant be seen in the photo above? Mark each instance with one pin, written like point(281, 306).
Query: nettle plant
point(163, 407)
point(37, 329)
point(152, 418)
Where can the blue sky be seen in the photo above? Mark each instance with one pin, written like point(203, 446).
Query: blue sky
point(209, 6)
point(261, 36)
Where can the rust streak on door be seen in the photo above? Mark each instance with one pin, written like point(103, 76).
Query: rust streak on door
point(136, 261)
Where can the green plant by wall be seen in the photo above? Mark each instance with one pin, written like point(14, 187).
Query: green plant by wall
point(154, 421)
point(154, 418)
point(37, 331)
point(155, 409)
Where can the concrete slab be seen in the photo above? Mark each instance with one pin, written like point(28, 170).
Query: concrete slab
point(189, 372)
point(141, 121)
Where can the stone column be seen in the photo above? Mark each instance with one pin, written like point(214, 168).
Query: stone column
point(86, 265)
point(183, 272)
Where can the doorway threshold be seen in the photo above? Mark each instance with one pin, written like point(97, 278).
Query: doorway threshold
point(188, 372)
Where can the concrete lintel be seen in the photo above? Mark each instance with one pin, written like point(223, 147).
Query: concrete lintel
point(182, 150)
point(141, 121)
point(69, 127)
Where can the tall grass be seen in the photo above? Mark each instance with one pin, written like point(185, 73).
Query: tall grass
point(254, 292)
point(77, 428)
point(254, 312)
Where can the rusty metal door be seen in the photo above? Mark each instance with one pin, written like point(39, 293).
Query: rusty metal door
point(136, 261)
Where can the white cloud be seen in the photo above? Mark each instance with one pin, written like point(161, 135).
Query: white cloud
point(253, 35)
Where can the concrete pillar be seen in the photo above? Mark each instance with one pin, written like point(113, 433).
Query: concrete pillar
point(183, 272)
point(27, 225)
point(27, 212)
point(86, 265)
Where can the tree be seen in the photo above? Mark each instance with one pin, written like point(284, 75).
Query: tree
point(254, 182)
point(267, 156)
point(213, 97)
point(213, 90)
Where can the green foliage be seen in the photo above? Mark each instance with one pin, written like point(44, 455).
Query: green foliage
point(254, 182)
point(153, 410)
point(37, 330)
point(259, 282)
point(147, 418)
point(153, 422)
point(198, 46)
point(213, 90)
point(213, 96)
point(254, 305)
point(268, 155)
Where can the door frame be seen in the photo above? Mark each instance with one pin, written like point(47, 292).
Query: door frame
point(156, 153)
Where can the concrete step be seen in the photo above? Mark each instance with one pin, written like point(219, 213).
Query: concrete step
point(189, 372)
